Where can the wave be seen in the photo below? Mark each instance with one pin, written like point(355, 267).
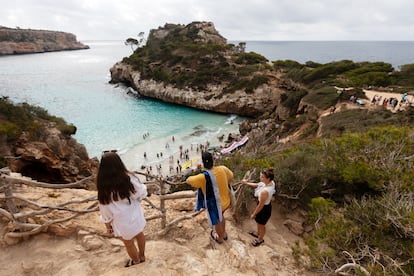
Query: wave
point(231, 119)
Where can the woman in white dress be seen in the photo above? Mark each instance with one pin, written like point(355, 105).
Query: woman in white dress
point(119, 194)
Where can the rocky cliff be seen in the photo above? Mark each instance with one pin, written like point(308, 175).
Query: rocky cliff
point(40, 146)
point(26, 41)
point(194, 66)
point(264, 98)
point(54, 157)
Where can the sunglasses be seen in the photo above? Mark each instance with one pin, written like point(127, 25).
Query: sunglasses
point(106, 151)
point(265, 173)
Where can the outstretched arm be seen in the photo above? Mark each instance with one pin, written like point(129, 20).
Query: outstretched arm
point(251, 184)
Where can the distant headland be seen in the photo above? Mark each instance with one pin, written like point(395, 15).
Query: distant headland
point(27, 41)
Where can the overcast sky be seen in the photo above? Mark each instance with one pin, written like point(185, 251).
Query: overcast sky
point(235, 20)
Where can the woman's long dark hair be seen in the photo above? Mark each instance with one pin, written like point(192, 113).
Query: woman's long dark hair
point(113, 181)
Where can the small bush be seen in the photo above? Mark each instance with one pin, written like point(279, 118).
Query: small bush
point(250, 58)
point(291, 100)
point(322, 98)
point(10, 130)
point(287, 65)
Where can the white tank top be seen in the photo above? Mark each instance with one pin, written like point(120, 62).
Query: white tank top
point(270, 190)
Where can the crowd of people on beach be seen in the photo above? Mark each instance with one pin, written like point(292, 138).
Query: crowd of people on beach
point(176, 160)
point(120, 193)
point(391, 102)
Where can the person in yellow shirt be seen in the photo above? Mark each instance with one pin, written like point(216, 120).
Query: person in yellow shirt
point(214, 191)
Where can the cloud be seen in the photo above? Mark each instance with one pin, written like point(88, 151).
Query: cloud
point(235, 20)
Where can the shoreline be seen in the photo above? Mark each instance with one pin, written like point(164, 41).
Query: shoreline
point(172, 153)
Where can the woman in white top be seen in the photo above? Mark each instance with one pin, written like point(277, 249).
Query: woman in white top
point(264, 190)
point(119, 194)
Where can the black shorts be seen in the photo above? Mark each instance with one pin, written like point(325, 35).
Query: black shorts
point(263, 216)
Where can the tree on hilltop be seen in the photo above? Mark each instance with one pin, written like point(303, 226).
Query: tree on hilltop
point(137, 42)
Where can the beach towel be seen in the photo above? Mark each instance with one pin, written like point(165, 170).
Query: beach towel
point(210, 200)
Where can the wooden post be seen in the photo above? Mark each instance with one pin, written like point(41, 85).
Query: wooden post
point(8, 192)
point(162, 205)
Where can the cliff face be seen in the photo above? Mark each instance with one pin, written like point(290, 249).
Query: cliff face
point(54, 157)
point(263, 99)
point(40, 146)
point(24, 41)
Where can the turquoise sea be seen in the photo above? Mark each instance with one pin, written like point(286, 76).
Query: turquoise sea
point(74, 85)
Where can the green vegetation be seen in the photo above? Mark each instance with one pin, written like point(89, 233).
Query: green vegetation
point(347, 73)
point(323, 97)
point(292, 99)
point(183, 59)
point(361, 120)
point(250, 58)
point(357, 188)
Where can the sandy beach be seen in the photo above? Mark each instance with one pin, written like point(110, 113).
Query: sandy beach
point(166, 156)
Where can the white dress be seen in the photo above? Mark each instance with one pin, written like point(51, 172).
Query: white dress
point(126, 217)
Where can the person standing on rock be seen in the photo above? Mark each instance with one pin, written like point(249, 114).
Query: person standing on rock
point(213, 194)
point(264, 190)
point(119, 194)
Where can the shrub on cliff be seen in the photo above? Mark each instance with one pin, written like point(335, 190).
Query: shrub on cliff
point(323, 97)
point(292, 99)
point(250, 58)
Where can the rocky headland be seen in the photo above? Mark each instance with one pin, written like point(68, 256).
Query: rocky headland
point(194, 66)
point(27, 41)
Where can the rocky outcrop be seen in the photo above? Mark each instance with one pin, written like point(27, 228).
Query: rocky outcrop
point(53, 157)
point(26, 41)
point(201, 32)
point(265, 98)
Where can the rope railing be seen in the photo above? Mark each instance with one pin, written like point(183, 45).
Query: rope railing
point(19, 220)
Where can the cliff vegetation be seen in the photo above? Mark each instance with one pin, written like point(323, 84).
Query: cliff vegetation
point(195, 56)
